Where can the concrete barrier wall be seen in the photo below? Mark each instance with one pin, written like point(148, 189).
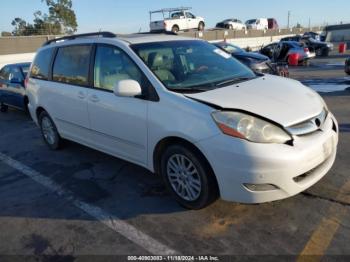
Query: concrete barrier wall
point(253, 43)
point(339, 35)
point(21, 44)
point(22, 49)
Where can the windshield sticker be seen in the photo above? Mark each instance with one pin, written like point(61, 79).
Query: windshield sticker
point(222, 53)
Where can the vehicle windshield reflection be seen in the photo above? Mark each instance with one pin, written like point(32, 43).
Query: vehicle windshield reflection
point(191, 64)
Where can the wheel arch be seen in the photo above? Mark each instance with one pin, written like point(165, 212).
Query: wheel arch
point(174, 140)
point(38, 111)
point(175, 25)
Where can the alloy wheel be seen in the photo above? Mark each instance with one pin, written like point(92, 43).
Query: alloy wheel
point(184, 177)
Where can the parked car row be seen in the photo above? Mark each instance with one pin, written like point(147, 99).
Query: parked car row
point(186, 110)
point(257, 24)
point(320, 48)
point(257, 62)
point(280, 52)
point(181, 19)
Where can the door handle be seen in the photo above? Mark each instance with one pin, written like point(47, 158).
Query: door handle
point(94, 98)
point(81, 95)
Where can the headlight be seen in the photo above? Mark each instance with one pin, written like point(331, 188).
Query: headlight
point(248, 127)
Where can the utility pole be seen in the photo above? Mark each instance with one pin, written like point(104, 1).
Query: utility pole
point(288, 19)
point(309, 23)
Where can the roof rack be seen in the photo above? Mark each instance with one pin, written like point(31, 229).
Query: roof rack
point(72, 37)
point(182, 8)
point(161, 32)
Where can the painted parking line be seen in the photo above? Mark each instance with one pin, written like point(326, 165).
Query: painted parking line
point(112, 221)
point(322, 237)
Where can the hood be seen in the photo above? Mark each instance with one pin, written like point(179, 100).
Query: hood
point(254, 56)
point(281, 100)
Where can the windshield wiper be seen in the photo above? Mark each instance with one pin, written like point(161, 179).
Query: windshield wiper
point(189, 90)
point(233, 81)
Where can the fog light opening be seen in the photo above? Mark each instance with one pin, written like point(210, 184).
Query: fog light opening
point(261, 187)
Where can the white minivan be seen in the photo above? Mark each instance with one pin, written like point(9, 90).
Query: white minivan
point(186, 110)
point(258, 24)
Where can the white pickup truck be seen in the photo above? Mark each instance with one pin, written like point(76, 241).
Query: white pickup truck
point(176, 19)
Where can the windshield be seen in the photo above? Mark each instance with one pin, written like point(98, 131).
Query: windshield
point(192, 65)
point(252, 21)
point(25, 70)
point(230, 48)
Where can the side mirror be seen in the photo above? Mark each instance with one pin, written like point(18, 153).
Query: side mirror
point(127, 88)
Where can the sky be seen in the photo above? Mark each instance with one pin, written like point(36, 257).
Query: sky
point(128, 16)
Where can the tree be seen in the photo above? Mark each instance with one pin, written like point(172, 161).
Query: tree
point(298, 25)
point(20, 26)
point(60, 20)
point(61, 12)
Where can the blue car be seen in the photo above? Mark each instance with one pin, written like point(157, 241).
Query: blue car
point(12, 90)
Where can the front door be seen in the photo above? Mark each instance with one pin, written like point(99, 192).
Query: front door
point(192, 22)
point(119, 124)
point(15, 88)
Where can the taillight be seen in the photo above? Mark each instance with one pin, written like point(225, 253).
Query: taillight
point(306, 50)
point(26, 81)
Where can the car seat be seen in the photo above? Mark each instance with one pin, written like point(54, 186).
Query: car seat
point(160, 65)
point(110, 69)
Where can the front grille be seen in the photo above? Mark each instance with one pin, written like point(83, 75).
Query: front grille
point(309, 126)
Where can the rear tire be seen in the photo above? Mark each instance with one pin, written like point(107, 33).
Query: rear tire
point(188, 176)
point(201, 26)
point(325, 52)
point(49, 131)
point(319, 52)
point(4, 108)
point(175, 29)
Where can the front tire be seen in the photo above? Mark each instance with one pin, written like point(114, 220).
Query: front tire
point(49, 131)
point(189, 177)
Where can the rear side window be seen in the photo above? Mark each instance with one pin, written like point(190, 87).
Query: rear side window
point(72, 65)
point(41, 65)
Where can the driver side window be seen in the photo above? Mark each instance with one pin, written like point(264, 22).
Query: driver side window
point(113, 65)
point(189, 15)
